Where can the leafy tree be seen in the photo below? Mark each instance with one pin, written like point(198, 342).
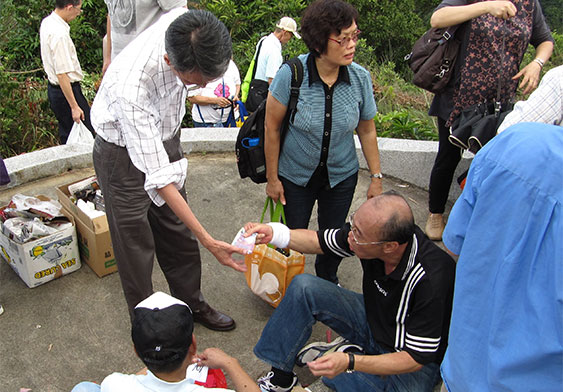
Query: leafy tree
point(390, 27)
point(553, 11)
point(19, 29)
point(248, 20)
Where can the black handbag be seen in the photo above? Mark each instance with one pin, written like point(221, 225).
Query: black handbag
point(257, 93)
point(477, 124)
point(433, 58)
point(258, 89)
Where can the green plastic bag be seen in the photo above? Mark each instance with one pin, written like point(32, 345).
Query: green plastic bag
point(245, 87)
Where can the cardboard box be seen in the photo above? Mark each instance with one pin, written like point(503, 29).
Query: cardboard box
point(94, 240)
point(44, 259)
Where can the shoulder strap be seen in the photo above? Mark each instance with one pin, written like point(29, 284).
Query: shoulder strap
point(200, 115)
point(256, 57)
point(450, 32)
point(497, 102)
point(296, 67)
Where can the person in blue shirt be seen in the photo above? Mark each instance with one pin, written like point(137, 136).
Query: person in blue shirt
point(506, 330)
point(318, 161)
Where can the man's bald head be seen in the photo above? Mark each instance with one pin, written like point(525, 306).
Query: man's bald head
point(391, 217)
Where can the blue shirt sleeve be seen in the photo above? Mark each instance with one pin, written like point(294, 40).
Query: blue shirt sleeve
point(368, 108)
point(281, 85)
point(461, 214)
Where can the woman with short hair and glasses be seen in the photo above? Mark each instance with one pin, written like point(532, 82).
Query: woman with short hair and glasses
point(318, 160)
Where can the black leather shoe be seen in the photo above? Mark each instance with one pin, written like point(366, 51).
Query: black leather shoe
point(213, 319)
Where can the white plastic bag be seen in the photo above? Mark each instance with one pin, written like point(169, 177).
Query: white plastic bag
point(79, 134)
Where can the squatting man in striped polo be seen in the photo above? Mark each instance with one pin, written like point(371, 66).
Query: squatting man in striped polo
point(400, 320)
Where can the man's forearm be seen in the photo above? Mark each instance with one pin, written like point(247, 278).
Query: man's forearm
point(333, 364)
point(305, 241)
point(180, 207)
point(201, 100)
point(107, 48)
point(64, 83)
point(386, 364)
point(279, 235)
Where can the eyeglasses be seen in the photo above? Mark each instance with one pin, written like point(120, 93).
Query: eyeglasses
point(344, 42)
point(354, 231)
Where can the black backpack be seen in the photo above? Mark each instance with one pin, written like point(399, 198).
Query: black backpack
point(249, 146)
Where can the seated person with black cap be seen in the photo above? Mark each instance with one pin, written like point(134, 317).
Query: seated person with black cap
point(162, 333)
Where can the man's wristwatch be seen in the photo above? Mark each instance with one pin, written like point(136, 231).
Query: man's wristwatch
point(376, 175)
point(351, 361)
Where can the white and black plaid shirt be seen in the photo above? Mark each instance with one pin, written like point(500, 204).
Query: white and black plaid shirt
point(140, 104)
point(545, 105)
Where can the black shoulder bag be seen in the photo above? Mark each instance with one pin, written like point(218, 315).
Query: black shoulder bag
point(258, 89)
point(433, 58)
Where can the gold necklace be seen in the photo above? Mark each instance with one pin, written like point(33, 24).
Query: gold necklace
point(332, 81)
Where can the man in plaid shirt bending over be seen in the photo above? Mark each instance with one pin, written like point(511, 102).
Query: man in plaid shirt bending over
point(139, 162)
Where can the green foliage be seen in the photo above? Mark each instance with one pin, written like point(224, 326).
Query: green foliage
point(389, 29)
point(87, 32)
point(26, 121)
point(248, 20)
point(19, 28)
point(402, 125)
point(20, 22)
point(552, 11)
point(557, 56)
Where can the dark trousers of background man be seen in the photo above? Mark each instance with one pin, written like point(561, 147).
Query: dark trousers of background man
point(60, 106)
point(139, 229)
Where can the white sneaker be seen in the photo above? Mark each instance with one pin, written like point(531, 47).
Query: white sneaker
point(318, 349)
point(266, 386)
point(1, 310)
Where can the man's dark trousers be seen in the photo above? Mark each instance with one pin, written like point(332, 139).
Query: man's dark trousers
point(60, 106)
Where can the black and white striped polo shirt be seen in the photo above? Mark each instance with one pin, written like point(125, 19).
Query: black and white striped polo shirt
point(409, 309)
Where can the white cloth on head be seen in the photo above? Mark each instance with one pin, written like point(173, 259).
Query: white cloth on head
point(160, 300)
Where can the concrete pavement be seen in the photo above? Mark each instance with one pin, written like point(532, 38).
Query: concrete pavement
point(76, 328)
